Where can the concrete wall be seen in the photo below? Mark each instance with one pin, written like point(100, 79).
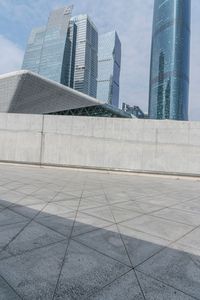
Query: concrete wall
point(126, 144)
point(20, 138)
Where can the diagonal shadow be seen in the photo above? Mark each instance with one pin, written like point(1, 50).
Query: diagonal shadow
point(61, 250)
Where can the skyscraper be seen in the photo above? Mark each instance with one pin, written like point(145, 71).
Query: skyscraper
point(109, 63)
point(48, 48)
point(65, 51)
point(86, 57)
point(169, 74)
point(33, 50)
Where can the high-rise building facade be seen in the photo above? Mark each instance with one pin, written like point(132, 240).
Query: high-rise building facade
point(33, 50)
point(109, 64)
point(65, 51)
point(86, 56)
point(170, 57)
point(48, 48)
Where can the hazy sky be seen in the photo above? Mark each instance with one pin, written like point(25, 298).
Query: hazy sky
point(131, 18)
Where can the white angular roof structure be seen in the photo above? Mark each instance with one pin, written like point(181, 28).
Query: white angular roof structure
point(27, 92)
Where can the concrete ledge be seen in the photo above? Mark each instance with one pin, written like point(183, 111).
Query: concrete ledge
point(104, 170)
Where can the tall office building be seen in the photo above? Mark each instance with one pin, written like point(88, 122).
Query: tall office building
point(33, 50)
point(169, 74)
point(65, 51)
point(86, 57)
point(109, 63)
point(48, 48)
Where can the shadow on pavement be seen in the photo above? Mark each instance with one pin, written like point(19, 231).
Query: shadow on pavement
point(60, 251)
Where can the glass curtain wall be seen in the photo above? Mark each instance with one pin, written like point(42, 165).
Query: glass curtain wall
point(56, 47)
point(48, 51)
point(169, 74)
point(65, 51)
point(85, 74)
point(109, 64)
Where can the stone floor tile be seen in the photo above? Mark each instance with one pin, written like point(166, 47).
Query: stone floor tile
point(33, 236)
point(155, 234)
point(112, 214)
point(3, 189)
point(4, 254)
point(185, 217)
point(30, 200)
point(139, 206)
point(190, 206)
point(62, 224)
point(54, 209)
point(2, 207)
point(76, 192)
point(86, 223)
point(191, 239)
point(156, 290)
point(140, 246)
point(93, 196)
point(12, 196)
point(26, 189)
point(158, 227)
point(8, 232)
point(34, 274)
point(5, 203)
point(69, 204)
point(185, 248)
point(184, 194)
point(121, 214)
point(176, 268)
point(6, 292)
point(101, 212)
point(9, 217)
point(117, 198)
point(86, 271)
point(29, 211)
point(45, 194)
point(161, 200)
point(126, 287)
point(107, 241)
point(87, 203)
point(64, 196)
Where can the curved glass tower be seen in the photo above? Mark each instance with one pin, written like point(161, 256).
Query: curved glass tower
point(170, 57)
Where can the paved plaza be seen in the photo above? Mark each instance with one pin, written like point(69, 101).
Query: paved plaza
point(79, 234)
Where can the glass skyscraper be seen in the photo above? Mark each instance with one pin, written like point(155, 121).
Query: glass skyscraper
point(48, 48)
point(86, 56)
point(169, 74)
point(109, 63)
point(65, 51)
point(33, 50)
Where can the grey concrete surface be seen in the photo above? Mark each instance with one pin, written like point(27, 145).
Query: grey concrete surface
point(80, 234)
point(102, 143)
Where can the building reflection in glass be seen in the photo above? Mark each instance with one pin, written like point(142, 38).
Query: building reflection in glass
point(169, 74)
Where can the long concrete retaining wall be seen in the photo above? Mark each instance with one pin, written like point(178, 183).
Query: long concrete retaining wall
point(103, 143)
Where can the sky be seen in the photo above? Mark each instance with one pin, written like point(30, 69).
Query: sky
point(132, 19)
